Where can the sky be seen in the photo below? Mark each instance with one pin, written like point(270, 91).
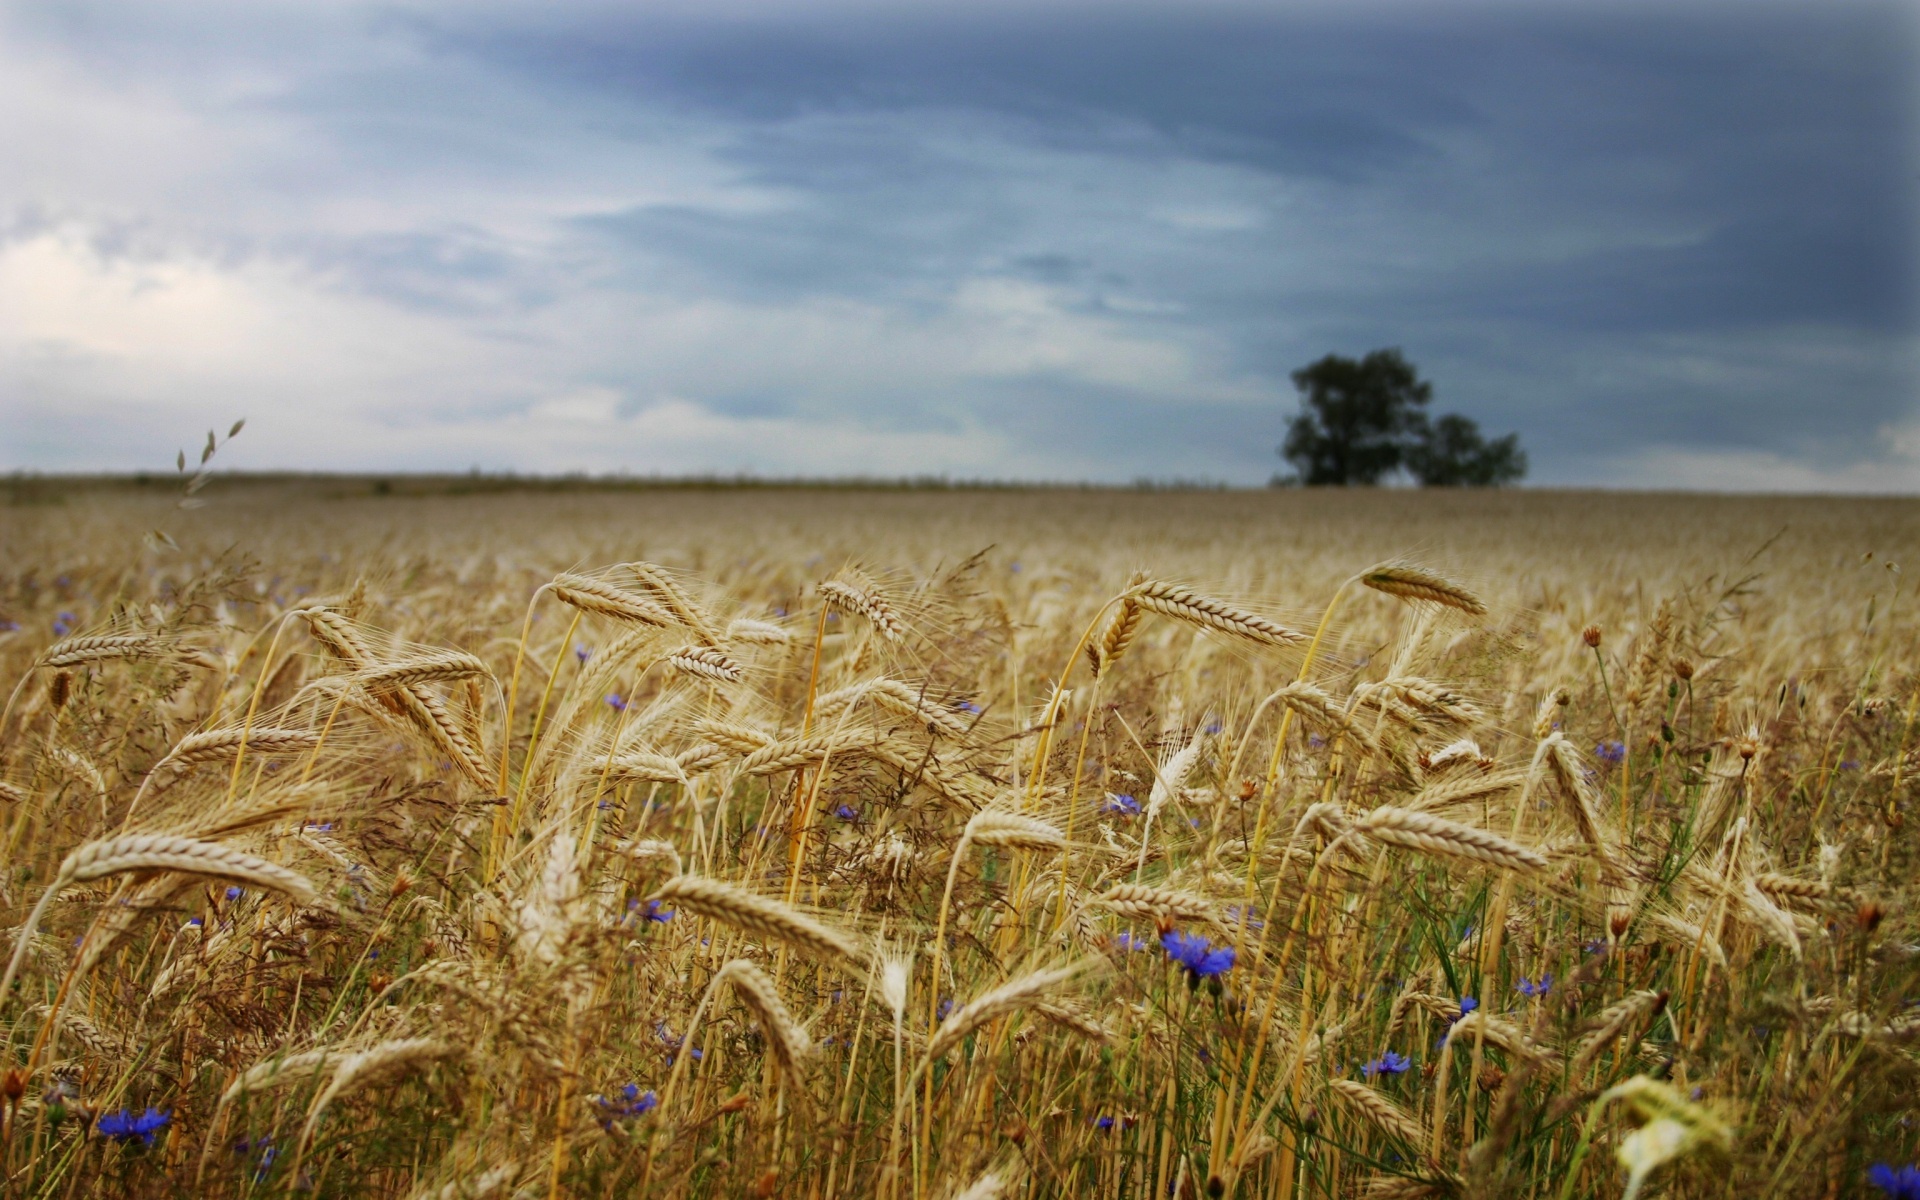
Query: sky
point(1670, 245)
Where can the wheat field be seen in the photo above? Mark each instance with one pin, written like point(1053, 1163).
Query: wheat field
point(461, 838)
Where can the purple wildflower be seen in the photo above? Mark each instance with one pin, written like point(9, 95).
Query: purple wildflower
point(1612, 752)
point(846, 812)
point(1527, 987)
point(1468, 1004)
point(1120, 802)
point(582, 651)
point(616, 702)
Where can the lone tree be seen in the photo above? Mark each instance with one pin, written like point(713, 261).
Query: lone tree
point(1361, 420)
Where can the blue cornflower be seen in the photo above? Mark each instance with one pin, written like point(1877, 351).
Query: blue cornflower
point(1901, 1183)
point(1197, 955)
point(847, 812)
point(1316, 741)
point(234, 893)
point(1120, 802)
point(1388, 1064)
point(656, 913)
point(616, 702)
point(1851, 764)
point(1127, 941)
point(582, 651)
point(966, 706)
point(1611, 752)
point(1103, 1122)
point(631, 1102)
point(1253, 922)
point(124, 1126)
point(1468, 1004)
point(197, 922)
point(1214, 727)
point(9, 626)
point(1527, 987)
point(674, 1040)
point(946, 1006)
point(1014, 567)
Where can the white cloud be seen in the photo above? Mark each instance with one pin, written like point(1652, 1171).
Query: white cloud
point(1896, 471)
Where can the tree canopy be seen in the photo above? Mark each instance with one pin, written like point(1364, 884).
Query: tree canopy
point(1362, 419)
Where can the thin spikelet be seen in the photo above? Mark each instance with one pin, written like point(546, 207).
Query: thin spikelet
point(437, 666)
point(74, 651)
point(219, 745)
point(1448, 839)
point(997, 827)
point(1141, 901)
point(595, 596)
point(1406, 582)
point(1007, 998)
point(1378, 1110)
point(749, 632)
point(855, 593)
point(657, 581)
point(1185, 604)
point(787, 1041)
point(705, 662)
point(756, 914)
point(1615, 1020)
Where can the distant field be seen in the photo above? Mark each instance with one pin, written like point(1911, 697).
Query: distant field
point(1382, 843)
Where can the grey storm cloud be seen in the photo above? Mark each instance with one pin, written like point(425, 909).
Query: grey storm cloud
point(1671, 245)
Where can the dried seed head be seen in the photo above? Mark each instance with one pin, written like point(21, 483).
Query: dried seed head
point(60, 689)
point(1591, 636)
point(1683, 669)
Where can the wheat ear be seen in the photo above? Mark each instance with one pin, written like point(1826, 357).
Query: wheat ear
point(434, 667)
point(1378, 1110)
point(1007, 998)
point(1612, 1022)
point(788, 1042)
point(155, 852)
point(1406, 582)
point(705, 662)
point(858, 595)
point(757, 914)
point(74, 651)
point(656, 580)
point(1139, 900)
point(750, 632)
point(998, 827)
point(362, 1067)
point(1185, 604)
point(596, 596)
point(1448, 839)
